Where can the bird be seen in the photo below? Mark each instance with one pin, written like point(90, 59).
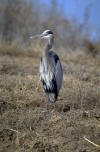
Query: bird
point(51, 73)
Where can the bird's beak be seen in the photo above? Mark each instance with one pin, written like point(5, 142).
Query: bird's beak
point(36, 36)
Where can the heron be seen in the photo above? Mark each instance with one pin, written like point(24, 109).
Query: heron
point(51, 73)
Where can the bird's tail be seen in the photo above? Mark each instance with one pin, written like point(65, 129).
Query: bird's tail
point(52, 98)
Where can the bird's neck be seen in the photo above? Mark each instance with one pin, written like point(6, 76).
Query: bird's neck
point(47, 47)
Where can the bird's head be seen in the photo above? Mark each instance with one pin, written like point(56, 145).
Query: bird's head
point(45, 35)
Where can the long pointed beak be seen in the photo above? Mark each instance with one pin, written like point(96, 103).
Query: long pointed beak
point(36, 36)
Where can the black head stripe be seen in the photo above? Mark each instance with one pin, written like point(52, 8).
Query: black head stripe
point(50, 32)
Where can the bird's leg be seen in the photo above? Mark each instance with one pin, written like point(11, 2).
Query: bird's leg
point(47, 106)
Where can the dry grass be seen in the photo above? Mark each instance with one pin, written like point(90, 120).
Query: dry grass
point(23, 127)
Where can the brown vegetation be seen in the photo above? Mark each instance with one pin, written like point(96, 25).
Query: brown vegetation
point(23, 126)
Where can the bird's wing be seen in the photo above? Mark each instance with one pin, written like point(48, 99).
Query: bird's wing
point(41, 68)
point(58, 72)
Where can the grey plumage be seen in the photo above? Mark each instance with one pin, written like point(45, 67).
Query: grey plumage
point(51, 73)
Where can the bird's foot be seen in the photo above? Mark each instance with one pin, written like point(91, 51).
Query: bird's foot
point(47, 113)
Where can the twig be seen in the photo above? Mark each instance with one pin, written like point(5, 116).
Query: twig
point(91, 142)
point(14, 130)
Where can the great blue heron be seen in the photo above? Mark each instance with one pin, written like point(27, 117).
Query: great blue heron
point(51, 73)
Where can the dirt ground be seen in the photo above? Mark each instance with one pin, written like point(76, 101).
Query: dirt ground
point(74, 118)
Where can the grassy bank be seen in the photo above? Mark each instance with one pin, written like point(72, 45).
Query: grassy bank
point(24, 128)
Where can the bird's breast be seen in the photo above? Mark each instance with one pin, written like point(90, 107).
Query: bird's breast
point(46, 72)
point(47, 77)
